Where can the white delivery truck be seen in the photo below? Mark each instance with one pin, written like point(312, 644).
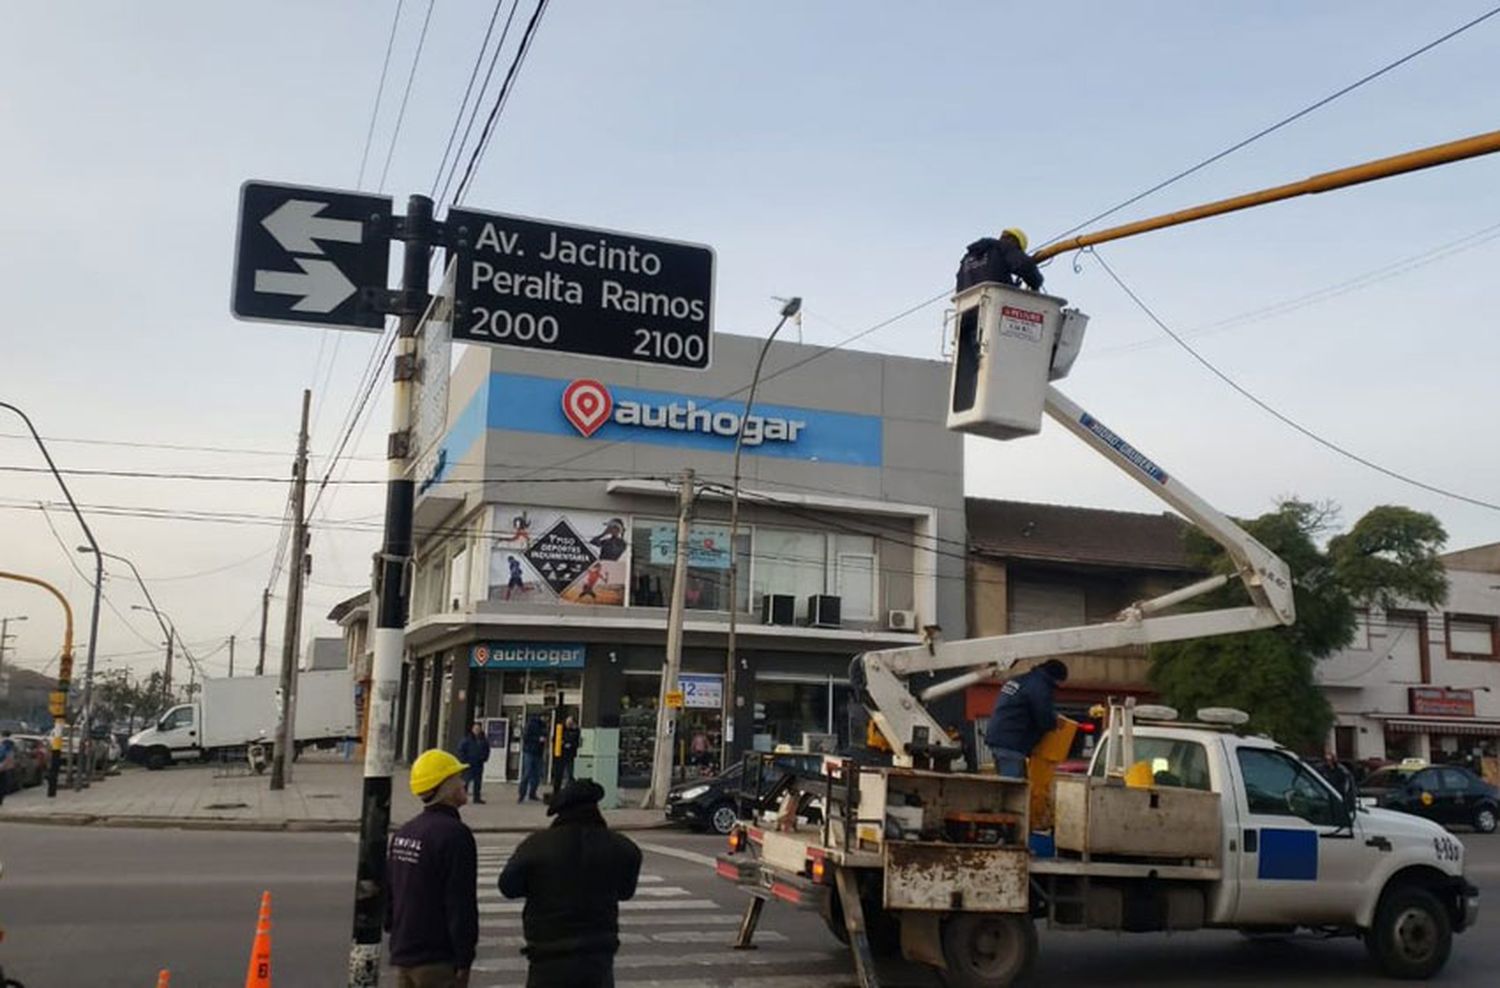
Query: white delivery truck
point(234, 712)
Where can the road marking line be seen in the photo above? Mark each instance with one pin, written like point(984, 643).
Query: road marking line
point(646, 919)
point(648, 905)
point(720, 958)
point(677, 852)
point(627, 938)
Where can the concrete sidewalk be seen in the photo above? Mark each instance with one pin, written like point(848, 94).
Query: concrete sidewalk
point(324, 794)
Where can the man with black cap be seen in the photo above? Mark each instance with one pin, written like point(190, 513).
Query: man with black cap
point(573, 876)
point(1023, 714)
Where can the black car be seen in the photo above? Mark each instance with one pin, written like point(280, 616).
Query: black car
point(709, 804)
point(1447, 794)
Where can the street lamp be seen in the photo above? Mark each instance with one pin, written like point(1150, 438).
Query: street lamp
point(5, 633)
point(167, 675)
point(88, 675)
point(788, 309)
point(170, 630)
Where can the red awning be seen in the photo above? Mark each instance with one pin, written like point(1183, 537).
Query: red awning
point(1438, 726)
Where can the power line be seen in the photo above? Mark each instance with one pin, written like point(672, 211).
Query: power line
point(73, 561)
point(174, 447)
point(1373, 277)
point(1371, 77)
point(385, 66)
point(406, 95)
point(468, 90)
point(500, 100)
point(1279, 416)
point(474, 113)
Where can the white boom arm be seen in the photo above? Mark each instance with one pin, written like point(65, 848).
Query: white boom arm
point(900, 714)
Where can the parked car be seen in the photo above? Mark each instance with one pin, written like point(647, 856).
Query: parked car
point(1447, 794)
point(709, 804)
point(33, 755)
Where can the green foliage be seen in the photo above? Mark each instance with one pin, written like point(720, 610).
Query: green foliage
point(1390, 553)
point(122, 697)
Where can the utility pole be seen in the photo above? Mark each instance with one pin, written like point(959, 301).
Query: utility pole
point(231, 656)
point(416, 230)
point(666, 717)
point(286, 733)
point(265, 612)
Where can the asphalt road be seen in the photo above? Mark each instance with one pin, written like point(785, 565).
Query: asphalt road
point(94, 907)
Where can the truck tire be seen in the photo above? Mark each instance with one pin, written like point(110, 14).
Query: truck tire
point(157, 759)
point(1485, 819)
point(987, 950)
point(1411, 936)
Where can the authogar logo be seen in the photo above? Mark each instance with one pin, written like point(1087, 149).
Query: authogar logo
point(587, 405)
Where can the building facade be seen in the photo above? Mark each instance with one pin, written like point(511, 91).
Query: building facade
point(1420, 682)
point(546, 534)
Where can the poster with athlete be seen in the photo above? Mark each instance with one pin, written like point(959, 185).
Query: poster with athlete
point(539, 555)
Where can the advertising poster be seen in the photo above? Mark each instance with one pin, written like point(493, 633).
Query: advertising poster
point(544, 556)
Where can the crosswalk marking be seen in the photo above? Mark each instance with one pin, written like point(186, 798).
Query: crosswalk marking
point(672, 935)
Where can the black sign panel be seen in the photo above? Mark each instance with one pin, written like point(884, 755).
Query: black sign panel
point(311, 255)
point(560, 556)
point(543, 286)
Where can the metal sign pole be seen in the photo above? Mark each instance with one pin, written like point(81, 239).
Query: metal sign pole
point(416, 232)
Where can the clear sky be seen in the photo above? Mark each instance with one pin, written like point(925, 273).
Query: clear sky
point(844, 152)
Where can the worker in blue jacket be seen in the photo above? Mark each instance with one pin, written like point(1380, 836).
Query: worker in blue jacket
point(1023, 714)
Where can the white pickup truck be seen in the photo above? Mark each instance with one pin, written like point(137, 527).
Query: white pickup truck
point(1233, 832)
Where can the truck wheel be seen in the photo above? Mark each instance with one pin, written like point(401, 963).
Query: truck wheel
point(157, 759)
point(1484, 820)
point(883, 929)
point(1411, 936)
point(987, 950)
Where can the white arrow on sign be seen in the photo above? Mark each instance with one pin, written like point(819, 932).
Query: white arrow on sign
point(321, 284)
point(297, 226)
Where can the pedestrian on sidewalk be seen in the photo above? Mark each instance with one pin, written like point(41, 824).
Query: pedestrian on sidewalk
point(432, 910)
point(474, 751)
point(7, 763)
point(533, 751)
point(573, 876)
point(568, 751)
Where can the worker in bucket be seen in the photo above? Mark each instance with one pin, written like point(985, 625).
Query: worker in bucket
point(1003, 259)
point(1023, 714)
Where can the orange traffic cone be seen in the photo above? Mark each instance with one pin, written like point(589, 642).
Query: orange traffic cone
point(259, 973)
point(164, 979)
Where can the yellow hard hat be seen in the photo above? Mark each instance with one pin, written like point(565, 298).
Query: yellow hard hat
point(1016, 232)
point(431, 769)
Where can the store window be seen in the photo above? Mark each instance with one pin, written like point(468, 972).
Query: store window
point(707, 586)
point(794, 709)
point(638, 699)
point(790, 562)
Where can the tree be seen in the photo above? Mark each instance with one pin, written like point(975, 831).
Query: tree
point(123, 697)
point(1389, 555)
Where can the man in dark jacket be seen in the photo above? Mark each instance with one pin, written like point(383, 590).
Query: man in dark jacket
point(573, 876)
point(432, 909)
point(533, 751)
point(1003, 260)
point(567, 751)
point(1023, 713)
point(474, 751)
point(1337, 775)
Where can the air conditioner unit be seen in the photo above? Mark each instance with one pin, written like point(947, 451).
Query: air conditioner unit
point(778, 608)
point(901, 620)
point(823, 611)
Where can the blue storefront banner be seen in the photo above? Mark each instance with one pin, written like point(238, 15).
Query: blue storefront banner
point(614, 413)
point(526, 655)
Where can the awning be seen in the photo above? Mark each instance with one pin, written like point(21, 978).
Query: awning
point(1441, 726)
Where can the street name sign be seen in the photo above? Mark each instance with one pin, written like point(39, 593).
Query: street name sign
point(305, 255)
point(541, 285)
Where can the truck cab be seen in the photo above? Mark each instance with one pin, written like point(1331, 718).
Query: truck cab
point(174, 737)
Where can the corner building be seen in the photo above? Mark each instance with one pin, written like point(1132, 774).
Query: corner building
point(546, 533)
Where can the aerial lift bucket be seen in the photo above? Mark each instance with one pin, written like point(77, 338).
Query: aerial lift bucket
point(1009, 344)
